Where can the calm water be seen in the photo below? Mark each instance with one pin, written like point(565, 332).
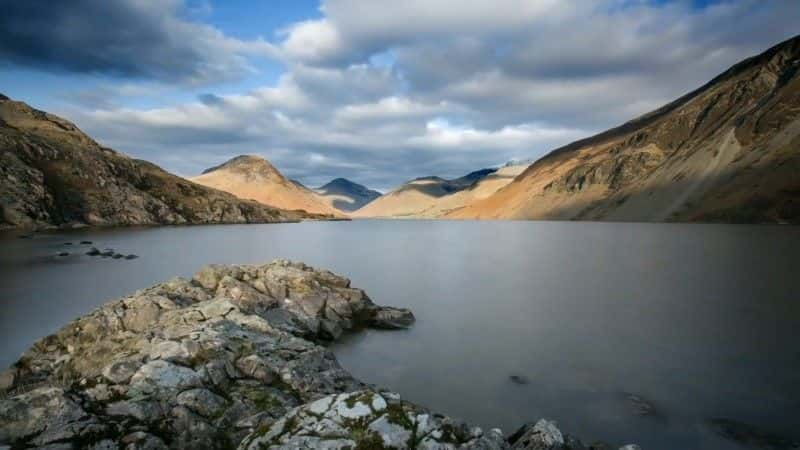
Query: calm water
point(701, 320)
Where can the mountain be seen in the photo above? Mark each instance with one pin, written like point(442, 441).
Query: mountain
point(52, 174)
point(726, 152)
point(253, 177)
point(346, 195)
point(433, 196)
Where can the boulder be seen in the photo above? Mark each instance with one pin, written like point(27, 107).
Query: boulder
point(391, 318)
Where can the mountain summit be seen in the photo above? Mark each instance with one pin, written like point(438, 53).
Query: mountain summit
point(346, 195)
point(55, 175)
point(253, 177)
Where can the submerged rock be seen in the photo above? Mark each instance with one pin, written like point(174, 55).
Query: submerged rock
point(751, 436)
point(63, 254)
point(93, 252)
point(227, 359)
point(86, 242)
point(129, 257)
point(641, 407)
point(519, 379)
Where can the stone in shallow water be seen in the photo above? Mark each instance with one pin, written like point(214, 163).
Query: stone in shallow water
point(392, 318)
point(640, 406)
point(751, 435)
point(519, 379)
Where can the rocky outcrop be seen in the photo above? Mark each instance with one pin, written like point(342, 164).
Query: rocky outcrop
point(230, 358)
point(52, 174)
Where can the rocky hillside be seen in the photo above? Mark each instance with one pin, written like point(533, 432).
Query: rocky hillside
point(254, 178)
point(346, 195)
point(726, 152)
point(431, 197)
point(53, 174)
point(228, 359)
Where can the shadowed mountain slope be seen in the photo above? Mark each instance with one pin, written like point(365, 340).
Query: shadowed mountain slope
point(430, 197)
point(346, 195)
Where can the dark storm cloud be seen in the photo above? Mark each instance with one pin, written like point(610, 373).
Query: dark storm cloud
point(125, 38)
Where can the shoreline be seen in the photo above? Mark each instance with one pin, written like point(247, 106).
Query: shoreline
point(233, 357)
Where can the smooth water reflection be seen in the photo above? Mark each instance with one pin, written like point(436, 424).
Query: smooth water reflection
point(700, 320)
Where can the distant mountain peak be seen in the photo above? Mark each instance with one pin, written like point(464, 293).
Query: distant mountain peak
point(248, 165)
point(347, 195)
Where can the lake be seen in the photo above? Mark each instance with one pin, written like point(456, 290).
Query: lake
point(698, 321)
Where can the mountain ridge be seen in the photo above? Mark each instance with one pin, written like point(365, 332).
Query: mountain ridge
point(346, 195)
point(725, 152)
point(431, 196)
point(254, 177)
point(53, 174)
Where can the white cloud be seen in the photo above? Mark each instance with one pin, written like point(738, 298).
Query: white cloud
point(382, 91)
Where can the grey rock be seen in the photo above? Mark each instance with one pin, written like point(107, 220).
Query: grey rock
point(161, 375)
point(392, 318)
point(366, 419)
point(120, 371)
point(543, 435)
point(202, 402)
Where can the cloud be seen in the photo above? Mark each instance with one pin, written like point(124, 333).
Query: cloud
point(383, 91)
point(151, 39)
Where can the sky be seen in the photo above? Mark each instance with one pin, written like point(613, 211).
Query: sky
point(377, 91)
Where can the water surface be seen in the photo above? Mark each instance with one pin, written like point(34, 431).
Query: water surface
point(699, 320)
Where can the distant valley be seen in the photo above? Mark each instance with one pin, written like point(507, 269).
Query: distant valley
point(726, 152)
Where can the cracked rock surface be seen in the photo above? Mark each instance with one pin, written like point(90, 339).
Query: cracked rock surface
point(232, 358)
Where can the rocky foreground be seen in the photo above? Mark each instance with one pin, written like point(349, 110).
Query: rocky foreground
point(229, 359)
